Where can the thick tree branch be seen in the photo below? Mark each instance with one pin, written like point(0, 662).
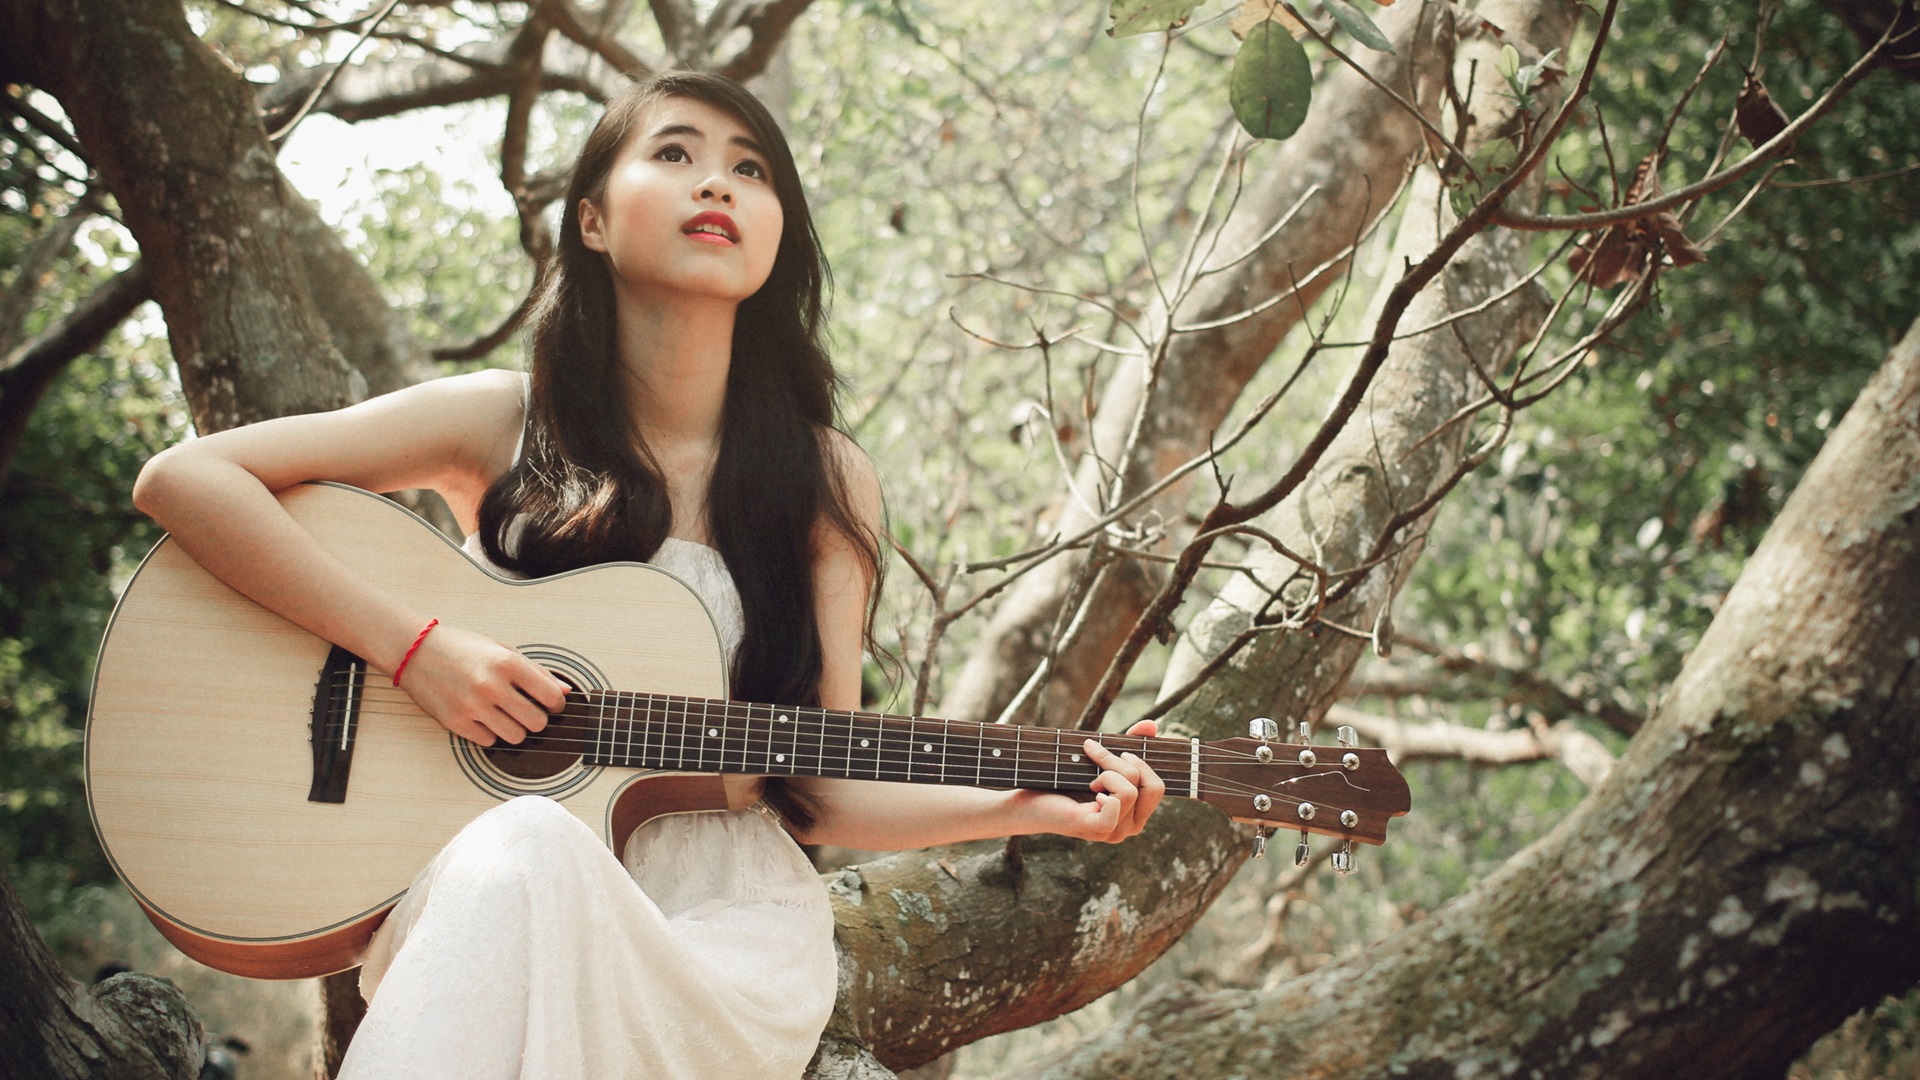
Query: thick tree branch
point(1744, 878)
point(28, 370)
point(370, 91)
point(129, 1027)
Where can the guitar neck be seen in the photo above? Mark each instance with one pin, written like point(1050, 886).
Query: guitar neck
point(656, 731)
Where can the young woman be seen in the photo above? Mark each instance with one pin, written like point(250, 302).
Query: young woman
point(678, 411)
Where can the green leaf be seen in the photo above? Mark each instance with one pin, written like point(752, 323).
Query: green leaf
point(1356, 23)
point(1132, 17)
point(1272, 83)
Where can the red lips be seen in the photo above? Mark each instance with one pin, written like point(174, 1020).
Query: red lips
point(712, 219)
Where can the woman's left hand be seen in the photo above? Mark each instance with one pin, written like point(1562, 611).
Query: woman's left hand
point(1126, 793)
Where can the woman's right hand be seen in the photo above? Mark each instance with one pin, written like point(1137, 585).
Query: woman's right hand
point(479, 689)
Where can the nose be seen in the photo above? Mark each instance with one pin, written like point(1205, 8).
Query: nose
point(716, 190)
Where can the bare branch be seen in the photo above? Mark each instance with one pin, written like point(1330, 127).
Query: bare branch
point(35, 264)
point(45, 125)
point(1778, 146)
point(498, 336)
point(600, 40)
point(306, 106)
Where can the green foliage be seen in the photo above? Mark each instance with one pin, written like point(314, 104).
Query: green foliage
point(1596, 548)
point(442, 253)
point(1272, 82)
point(1522, 78)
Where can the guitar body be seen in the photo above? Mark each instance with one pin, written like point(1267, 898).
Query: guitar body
point(199, 753)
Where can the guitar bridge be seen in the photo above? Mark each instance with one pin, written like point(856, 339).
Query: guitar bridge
point(334, 725)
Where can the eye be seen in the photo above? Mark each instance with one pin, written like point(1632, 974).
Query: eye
point(672, 152)
point(751, 169)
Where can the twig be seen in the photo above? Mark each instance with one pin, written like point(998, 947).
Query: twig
point(313, 98)
point(1778, 146)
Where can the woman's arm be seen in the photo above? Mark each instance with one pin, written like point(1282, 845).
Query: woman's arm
point(214, 495)
point(881, 816)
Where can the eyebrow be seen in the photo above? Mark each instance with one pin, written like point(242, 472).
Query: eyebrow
point(688, 129)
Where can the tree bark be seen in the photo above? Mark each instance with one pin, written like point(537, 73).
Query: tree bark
point(52, 1027)
point(1747, 876)
point(1355, 148)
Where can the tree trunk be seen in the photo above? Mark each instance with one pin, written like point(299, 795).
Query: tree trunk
point(1747, 876)
point(128, 1027)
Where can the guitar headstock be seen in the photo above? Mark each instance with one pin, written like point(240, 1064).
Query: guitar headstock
point(1344, 791)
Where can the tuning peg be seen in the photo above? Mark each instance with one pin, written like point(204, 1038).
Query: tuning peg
point(1346, 737)
point(1260, 842)
point(1343, 859)
point(1263, 728)
point(1302, 853)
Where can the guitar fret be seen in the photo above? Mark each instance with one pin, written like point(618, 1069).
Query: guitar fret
point(1056, 760)
point(703, 734)
point(625, 722)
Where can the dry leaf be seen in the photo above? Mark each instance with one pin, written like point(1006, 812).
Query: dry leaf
point(1756, 114)
point(1252, 13)
point(1623, 253)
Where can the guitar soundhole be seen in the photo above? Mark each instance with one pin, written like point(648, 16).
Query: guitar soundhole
point(551, 762)
point(544, 753)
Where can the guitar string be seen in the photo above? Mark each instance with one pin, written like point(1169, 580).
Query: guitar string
point(1176, 756)
point(1008, 773)
point(885, 770)
point(659, 703)
point(829, 739)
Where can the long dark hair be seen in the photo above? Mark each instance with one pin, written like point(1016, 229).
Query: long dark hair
point(586, 488)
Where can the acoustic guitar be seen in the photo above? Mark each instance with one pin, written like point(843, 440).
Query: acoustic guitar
point(268, 799)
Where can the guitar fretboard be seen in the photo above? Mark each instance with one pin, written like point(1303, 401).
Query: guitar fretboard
point(656, 731)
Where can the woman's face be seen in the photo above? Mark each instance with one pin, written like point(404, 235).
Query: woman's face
point(689, 206)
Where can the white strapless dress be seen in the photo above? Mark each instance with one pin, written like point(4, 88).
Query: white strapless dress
point(527, 951)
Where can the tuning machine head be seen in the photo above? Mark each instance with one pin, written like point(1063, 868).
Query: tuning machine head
point(1260, 841)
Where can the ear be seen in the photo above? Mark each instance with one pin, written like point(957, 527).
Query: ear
point(593, 228)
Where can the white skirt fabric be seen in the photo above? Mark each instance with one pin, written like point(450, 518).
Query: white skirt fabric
point(527, 951)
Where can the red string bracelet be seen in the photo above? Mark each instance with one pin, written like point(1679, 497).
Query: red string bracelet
point(414, 648)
